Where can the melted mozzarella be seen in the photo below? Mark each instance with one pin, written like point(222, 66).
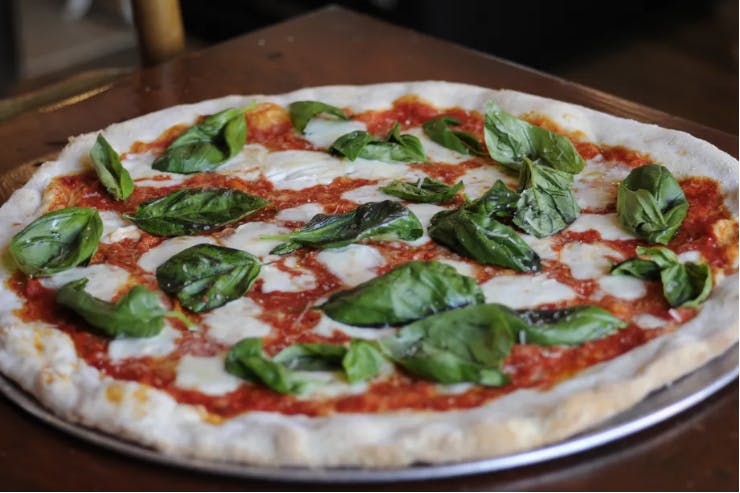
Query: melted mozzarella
point(463, 268)
point(596, 186)
point(296, 170)
point(424, 213)
point(541, 246)
point(103, 280)
point(353, 264)
point(607, 225)
point(138, 347)
point(525, 291)
point(139, 166)
point(236, 320)
point(303, 213)
point(691, 256)
point(588, 260)
point(275, 279)
point(328, 384)
point(647, 321)
point(624, 287)
point(326, 327)
point(435, 152)
point(322, 132)
point(206, 375)
point(116, 228)
point(165, 250)
point(247, 237)
point(478, 180)
point(367, 193)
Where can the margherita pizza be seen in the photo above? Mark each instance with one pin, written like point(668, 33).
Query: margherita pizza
point(371, 275)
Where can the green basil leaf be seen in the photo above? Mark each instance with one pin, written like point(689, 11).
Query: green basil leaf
point(651, 203)
point(568, 326)
point(139, 313)
point(424, 190)
point(498, 201)
point(482, 238)
point(377, 220)
point(684, 285)
point(510, 140)
point(246, 360)
point(546, 202)
point(204, 277)
point(464, 345)
point(302, 111)
point(395, 147)
point(363, 361)
point(111, 173)
point(205, 146)
point(194, 210)
point(406, 293)
point(311, 357)
point(438, 130)
point(57, 241)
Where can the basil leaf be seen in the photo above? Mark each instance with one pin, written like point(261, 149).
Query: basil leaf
point(194, 210)
point(546, 202)
point(302, 111)
point(568, 326)
point(111, 173)
point(204, 277)
point(482, 238)
point(651, 203)
point(438, 130)
point(684, 285)
point(510, 140)
point(408, 292)
point(362, 362)
point(139, 313)
point(424, 190)
point(464, 345)
point(395, 147)
point(498, 201)
point(311, 357)
point(379, 220)
point(203, 147)
point(57, 241)
point(246, 360)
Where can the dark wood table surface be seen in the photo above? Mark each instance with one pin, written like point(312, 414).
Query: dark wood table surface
point(698, 449)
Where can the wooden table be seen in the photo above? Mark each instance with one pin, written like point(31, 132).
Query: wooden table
point(696, 450)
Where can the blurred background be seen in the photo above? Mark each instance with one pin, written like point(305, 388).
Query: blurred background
point(674, 55)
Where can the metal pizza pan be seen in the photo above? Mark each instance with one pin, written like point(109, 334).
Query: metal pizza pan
point(658, 406)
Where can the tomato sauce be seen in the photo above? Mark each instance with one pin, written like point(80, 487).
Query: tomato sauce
point(291, 315)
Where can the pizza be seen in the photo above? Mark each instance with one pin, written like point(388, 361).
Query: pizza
point(370, 276)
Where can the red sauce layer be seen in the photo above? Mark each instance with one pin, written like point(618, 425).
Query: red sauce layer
point(291, 314)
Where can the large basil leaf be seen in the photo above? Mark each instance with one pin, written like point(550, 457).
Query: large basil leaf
point(205, 146)
point(395, 147)
point(139, 313)
point(510, 140)
point(464, 345)
point(302, 111)
point(107, 166)
point(409, 292)
point(379, 220)
point(482, 238)
point(546, 202)
point(57, 241)
point(568, 326)
point(424, 190)
point(438, 130)
point(204, 277)
point(651, 203)
point(362, 361)
point(194, 210)
point(498, 201)
point(685, 285)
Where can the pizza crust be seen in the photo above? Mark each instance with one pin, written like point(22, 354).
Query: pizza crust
point(44, 362)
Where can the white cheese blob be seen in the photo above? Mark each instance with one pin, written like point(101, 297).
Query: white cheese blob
point(137, 347)
point(353, 264)
point(691, 256)
point(463, 268)
point(607, 225)
point(525, 291)
point(367, 193)
point(647, 321)
point(302, 213)
point(276, 279)
point(232, 322)
point(103, 281)
point(596, 186)
point(165, 250)
point(541, 246)
point(328, 384)
point(589, 260)
point(206, 375)
point(247, 237)
point(139, 166)
point(326, 327)
point(435, 152)
point(424, 212)
point(322, 132)
point(624, 287)
point(478, 180)
point(116, 228)
point(296, 170)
